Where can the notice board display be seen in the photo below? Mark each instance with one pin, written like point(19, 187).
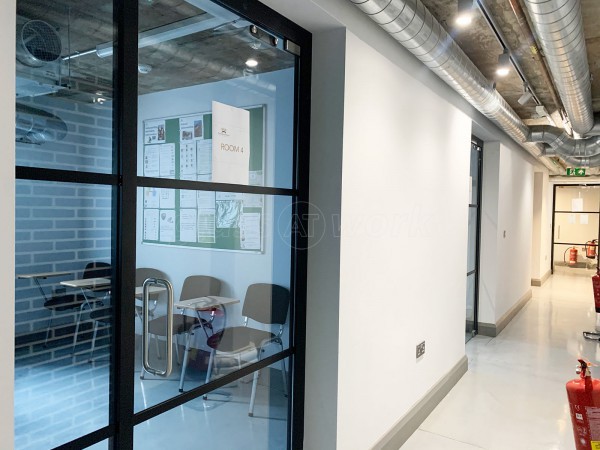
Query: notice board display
point(182, 148)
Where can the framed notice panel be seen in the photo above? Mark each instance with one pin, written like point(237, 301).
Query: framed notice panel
point(182, 148)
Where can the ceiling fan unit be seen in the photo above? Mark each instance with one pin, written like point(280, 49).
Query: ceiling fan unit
point(39, 62)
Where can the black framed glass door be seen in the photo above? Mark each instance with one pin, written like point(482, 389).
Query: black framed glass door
point(120, 180)
point(476, 168)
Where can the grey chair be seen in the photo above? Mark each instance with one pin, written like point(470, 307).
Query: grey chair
point(264, 303)
point(194, 286)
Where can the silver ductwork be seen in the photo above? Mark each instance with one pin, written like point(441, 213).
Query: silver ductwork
point(411, 24)
point(34, 126)
point(559, 26)
point(561, 144)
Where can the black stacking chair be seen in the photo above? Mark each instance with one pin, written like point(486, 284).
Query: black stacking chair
point(75, 301)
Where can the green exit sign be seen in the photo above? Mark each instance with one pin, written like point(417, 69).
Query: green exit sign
point(575, 172)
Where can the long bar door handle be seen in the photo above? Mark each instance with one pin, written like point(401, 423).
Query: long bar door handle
point(145, 333)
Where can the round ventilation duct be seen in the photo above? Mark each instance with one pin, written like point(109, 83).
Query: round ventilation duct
point(38, 43)
point(35, 126)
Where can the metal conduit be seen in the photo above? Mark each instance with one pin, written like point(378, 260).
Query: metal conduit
point(411, 24)
point(559, 26)
point(561, 144)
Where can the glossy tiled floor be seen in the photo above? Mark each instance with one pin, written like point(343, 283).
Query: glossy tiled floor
point(513, 396)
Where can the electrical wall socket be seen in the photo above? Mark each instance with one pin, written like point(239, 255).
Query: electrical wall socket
point(420, 349)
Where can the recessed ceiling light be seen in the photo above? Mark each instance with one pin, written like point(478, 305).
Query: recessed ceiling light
point(464, 19)
point(252, 62)
point(502, 71)
point(465, 13)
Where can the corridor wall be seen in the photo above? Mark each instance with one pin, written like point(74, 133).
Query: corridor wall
point(7, 225)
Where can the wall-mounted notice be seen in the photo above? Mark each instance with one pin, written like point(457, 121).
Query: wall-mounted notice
point(182, 148)
point(231, 144)
point(577, 205)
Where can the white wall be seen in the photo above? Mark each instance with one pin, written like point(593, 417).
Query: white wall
point(542, 226)
point(323, 289)
point(236, 270)
point(506, 236)
point(405, 184)
point(7, 225)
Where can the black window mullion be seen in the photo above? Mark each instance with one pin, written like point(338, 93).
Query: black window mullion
point(125, 145)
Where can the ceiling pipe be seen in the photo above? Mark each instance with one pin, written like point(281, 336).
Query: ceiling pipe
point(561, 144)
point(559, 26)
point(527, 33)
point(411, 24)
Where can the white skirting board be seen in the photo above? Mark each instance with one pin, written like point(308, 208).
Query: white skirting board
point(406, 426)
point(494, 329)
point(540, 281)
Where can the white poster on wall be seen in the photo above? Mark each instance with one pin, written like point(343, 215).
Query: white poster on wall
point(577, 205)
point(230, 144)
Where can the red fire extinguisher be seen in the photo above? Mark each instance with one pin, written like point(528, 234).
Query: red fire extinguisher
point(596, 287)
point(590, 249)
point(572, 256)
point(584, 403)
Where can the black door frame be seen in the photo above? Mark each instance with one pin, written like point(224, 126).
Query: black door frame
point(124, 178)
point(554, 218)
point(479, 144)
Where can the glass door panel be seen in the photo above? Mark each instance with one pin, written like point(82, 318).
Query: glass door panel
point(221, 421)
point(65, 227)
point(473, 240)
point(63, 341)
point(214, 208)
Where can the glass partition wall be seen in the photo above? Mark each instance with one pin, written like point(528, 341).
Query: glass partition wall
point(161, 193)
point(575, 227)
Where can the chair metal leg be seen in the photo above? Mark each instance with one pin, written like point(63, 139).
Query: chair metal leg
point(186, 356)
point(77, 331)
point(94, 341)
point(176, 344)
point(253, 395)
point(209, 370)
point(48, 328)
point(284, 375)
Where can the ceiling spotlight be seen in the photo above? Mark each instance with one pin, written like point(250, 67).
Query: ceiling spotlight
point(503, 64)
point(526, 96)
point(465, 13)
point(252, 62)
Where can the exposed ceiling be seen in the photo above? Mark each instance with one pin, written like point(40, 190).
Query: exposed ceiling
point(214, 54)
point(219, 52)
point(481, 42)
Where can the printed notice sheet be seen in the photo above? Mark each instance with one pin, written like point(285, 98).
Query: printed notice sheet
point(187, 162)
point(230, 144)
point(250, 231)
point(206, 226)
point(167, 161)
point(187, 225)
point(187, 199)
point(154, 131)
point(151, 197)
point(151, 161)
point(167, 198)
point(151, 224)
point(204, 159)
point(167, 225)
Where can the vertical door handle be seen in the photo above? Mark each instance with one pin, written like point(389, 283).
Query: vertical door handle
point(558, 237)
point(145, 333)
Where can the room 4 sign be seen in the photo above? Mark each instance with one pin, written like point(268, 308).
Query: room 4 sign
point(576, 172)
